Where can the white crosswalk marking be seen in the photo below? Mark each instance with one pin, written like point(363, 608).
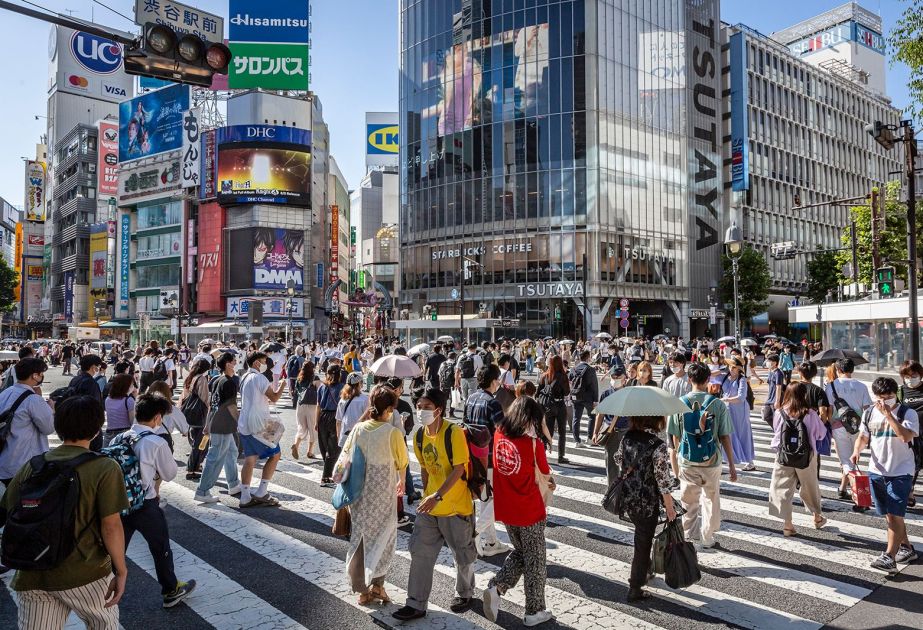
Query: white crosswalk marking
point(756, 579)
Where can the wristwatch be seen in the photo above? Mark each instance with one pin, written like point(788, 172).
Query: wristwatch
point(438, 496)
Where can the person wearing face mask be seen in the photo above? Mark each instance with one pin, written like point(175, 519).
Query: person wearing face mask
point(677, 383)
point(374, 529)
point(911, 394)
point(84, 384)
point(33, 419)
point(609, 430)
point(888, 428)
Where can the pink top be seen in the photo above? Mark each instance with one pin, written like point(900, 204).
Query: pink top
point(816, 429)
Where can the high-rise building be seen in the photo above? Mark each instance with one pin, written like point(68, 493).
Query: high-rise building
point(563, 161)
point(797, 137)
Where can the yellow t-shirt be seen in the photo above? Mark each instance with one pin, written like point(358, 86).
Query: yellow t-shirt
point(348, 361)
point(434, 459)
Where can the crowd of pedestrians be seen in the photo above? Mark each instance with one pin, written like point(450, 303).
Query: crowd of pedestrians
point(481, 424)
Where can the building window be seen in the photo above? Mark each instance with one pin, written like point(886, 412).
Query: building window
point(160, 215)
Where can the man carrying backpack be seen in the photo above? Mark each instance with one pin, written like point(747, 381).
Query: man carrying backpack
point(446, 513)
point(584, 387)
point(154, 460)
point(697, 439)
point(85, 384)
point(76, 575)
point(466, 370)
point(888, 428)
point(447, 379)
point(26, 420)
point(848, 399)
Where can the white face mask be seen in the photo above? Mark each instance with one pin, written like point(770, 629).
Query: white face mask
point(615, 383)
point(913, 381)
point(676, 369)
point(889, 402)
point(426, 416)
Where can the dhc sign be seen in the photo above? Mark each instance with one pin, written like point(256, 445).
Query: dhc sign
point(383, 140)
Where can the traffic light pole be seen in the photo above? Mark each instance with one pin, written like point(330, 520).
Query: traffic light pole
point(909, 155)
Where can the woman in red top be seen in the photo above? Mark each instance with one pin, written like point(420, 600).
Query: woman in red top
point(519, 505)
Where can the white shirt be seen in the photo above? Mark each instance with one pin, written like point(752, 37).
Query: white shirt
point(254, 405)
point(349, 416)
point(891, 456)
point(506, 378)
point(146, 364)
point(154, 459)
point(677, 385)
point(852, 391)
point(278, 362)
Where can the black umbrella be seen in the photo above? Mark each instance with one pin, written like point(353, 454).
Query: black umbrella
point(826, 357)
point(273, 346)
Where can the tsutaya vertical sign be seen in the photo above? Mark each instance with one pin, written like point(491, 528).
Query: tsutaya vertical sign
point(703, 98)
point(334, 243)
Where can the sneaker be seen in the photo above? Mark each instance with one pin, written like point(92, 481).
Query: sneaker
point(492, 603)
point(403, 520)
point(328, 484)
point(493, 549)
point(844, 495)
point(407, 613)
point(885, 563)
point(702, 546)
point(579, 444)
point(206, 498)
point(905, 554)
point(540, 617)
point(183, 589)
point(563, 460)
point(235, 491)
point(460, 604)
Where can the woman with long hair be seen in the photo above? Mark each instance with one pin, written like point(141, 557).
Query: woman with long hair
point(646, 491)
point(553, 388)
point(196, 384)
point(325, 422)
point(351, 408)
point(305, 395)
point(646, 375)
point(519, 504)
point(374, 515)
point(734, 394)
point(796, 462)
point(120, 406)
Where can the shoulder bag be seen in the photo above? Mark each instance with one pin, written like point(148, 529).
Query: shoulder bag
point(546, 484)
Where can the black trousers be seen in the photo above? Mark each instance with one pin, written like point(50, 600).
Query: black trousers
point(644, 542)
point(556, 416)
point(327, 441)
point(151, 523)
point(196, 455)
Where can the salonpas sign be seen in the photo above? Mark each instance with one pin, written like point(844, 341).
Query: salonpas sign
point(550, 289)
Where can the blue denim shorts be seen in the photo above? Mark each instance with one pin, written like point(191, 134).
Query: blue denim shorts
point(890, 494)
point(253, 446)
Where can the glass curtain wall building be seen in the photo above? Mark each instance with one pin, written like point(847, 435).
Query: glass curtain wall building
point(546, 148)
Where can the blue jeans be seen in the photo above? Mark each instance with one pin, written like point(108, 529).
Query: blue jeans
point(222, 452)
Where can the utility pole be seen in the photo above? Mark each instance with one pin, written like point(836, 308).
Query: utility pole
point(855, 258)
point(910, 152)
point(875, 200)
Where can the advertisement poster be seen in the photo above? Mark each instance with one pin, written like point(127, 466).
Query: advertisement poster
point(87, 65)
point(268, 66)
point(35, 191)
point(124, 262)
point(69, 296)
point(334, 243)
point(17, 262)
point(209, 162)
point(382, 139)
point(263, 175)
point(208, 257)
point(152, 123)
point(149, 180)
point(35, 275)
point(108, 161)
point(99, 246)
point(278, 256)
point(192, 149)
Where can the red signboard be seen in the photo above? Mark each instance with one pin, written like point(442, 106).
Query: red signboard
point(208, 258)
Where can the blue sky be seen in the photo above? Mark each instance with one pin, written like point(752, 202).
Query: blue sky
point(353, 66)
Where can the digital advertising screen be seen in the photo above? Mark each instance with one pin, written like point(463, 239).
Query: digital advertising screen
point(278, 256)
point(259, 174)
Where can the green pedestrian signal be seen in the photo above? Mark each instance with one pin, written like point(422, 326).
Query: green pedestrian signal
point(434, 314)
point(884, 276)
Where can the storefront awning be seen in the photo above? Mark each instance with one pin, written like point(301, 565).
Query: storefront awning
point(117, 323)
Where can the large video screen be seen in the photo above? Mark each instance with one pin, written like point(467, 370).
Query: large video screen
point(257, 174)
point(278, 256)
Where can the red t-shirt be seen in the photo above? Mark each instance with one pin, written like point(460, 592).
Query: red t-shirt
point(516, 497)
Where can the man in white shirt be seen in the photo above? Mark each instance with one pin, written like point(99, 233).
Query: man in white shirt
point(888, 429)
point(154, 460)
point(466, 369)
point(856, 395)
point(205, 350)
point(256, 393)
point(33, 419)
point(678, 382)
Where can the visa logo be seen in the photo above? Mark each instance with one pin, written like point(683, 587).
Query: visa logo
point(383, 139)
point(117, 91)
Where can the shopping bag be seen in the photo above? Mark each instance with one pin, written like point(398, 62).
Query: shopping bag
point(681, 565)
point(343, 523)
point(671, 533)
point(456, 397)
point(861, 489)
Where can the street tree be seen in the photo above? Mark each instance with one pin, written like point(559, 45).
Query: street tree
point(753, 283)
point(906, 46)
point(9, 280)
point(824, 276)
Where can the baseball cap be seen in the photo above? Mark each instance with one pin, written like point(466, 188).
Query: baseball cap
point(354, 378)
point(617, 371)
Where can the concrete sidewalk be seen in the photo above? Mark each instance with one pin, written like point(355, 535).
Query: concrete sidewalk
point(897, 604)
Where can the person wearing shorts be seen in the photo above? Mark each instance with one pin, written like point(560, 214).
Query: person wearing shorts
point(887, 429)
point(256, 392)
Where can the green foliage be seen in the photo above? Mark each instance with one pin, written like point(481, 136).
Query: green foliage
point(893, 241)
point(752, 285)
point(823, 276)
point(9, 280)
point(906, 46)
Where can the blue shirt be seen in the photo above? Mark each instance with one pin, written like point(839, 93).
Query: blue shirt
point(482, 409)
point(775, 378)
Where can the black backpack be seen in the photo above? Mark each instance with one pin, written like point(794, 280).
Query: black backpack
point(160, 370)
point(576, 380)
point(40, 529)
point(447, 376)
point(795, 446)
point(466, 366)
point(844, 413)
point(6, 419)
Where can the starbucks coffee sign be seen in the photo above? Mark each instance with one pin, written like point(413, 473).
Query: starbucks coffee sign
point(503, 247)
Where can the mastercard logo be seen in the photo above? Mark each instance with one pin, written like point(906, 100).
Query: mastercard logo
point(77, 81)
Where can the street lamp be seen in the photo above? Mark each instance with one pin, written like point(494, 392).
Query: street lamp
point(882, 134)
point(290, 289)
point(734, 244)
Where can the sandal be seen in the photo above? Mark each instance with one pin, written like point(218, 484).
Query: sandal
point(366, 598)
point(819, 523)
point(788, 532)
point(379, 593)
point(267, 500)
point(253, 502)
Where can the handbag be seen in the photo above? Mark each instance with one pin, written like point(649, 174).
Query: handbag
point(612, 502)
point(350, 487)
point(681, 565)
point(505, 397)
point(546, 484)
point(342, 523)
point(670, 534)
point(194, 408)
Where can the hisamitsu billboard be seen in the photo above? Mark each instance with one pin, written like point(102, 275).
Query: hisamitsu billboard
point(279, 21)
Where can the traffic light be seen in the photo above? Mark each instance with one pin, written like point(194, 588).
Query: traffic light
point(884, 276)
point(162, 54)
point(434, 314)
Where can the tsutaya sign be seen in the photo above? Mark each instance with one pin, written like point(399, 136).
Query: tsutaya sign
point(550, 289)
point(479, 250)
